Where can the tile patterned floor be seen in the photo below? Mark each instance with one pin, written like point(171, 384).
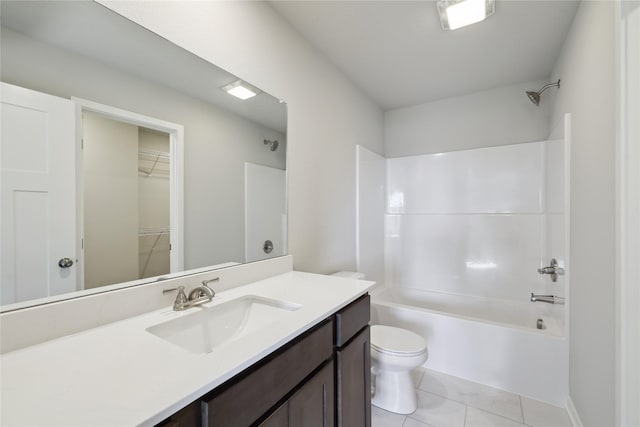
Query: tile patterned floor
point(446, 401)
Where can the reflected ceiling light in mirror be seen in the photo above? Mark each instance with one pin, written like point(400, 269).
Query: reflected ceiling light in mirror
point(240, 89)
point(456, 14)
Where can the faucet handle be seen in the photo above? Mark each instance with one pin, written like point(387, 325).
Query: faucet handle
point(552, 270)
point(181, 299)
point(205, 283)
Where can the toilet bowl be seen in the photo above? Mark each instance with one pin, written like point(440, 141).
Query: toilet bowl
point(394, 353)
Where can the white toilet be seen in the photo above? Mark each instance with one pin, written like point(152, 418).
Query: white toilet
point(394, 353)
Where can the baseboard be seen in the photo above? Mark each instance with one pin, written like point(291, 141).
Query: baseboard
point(573, 414)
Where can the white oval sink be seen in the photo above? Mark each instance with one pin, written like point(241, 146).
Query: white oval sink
point(209, 327)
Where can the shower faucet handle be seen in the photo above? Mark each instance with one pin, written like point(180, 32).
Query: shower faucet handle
point(553, 270)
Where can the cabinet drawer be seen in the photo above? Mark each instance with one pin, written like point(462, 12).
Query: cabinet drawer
point(187, 417)
point(352, 318)
point(254, 393)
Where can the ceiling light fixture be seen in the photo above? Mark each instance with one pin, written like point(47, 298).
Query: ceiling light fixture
point(456, 14)
point(241, 90)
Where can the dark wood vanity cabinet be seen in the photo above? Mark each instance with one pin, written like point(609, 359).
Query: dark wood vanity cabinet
point(320, 379)
point(353, 365)
point(310, 406)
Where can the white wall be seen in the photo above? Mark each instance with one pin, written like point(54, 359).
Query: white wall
point(495, 117)
point(587, 69)
point(327, 115)
point(217, 143)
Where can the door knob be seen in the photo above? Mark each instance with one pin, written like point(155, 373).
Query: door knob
point(267, 247)
point(65, 263)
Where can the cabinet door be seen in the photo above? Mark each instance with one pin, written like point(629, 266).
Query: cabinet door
point(280, 418)
point(313, 404)
point(255, 392)
point(354, 382)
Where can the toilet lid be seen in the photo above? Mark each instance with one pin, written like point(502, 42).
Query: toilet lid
point(388, 339)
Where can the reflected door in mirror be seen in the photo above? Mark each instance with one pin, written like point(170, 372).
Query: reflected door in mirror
point(38, 195)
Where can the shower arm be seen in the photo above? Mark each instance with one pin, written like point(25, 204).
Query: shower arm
point(547, 86)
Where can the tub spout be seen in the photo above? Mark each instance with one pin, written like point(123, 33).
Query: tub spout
point(551, 299)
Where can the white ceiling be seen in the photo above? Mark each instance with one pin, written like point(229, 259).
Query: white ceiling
point(397, 53)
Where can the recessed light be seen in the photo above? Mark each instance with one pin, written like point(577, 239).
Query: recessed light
point(456, 14)
point(240, 89)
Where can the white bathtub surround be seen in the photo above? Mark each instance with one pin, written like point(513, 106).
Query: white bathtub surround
point(506, 179)
point(370, 208)
point(486, 341)
point(447, 401)
point(103, 376)
point(488, 255)
point(476, 222)
point(465, 233)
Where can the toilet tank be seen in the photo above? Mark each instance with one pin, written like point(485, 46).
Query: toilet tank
point(349, 275)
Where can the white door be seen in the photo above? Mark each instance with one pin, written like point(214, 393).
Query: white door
point(38, 211)
point(265, 212)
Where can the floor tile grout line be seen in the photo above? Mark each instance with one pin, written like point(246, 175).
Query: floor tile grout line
point(421, 421)
point(499, 390)
point(496, 414)
point(475, 407)
point(501, 416)
point(521, 409)
point(470, 382)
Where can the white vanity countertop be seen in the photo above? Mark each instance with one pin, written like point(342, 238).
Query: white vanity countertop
point(121, 375)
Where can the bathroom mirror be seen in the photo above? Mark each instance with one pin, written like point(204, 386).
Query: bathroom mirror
point(208, 171)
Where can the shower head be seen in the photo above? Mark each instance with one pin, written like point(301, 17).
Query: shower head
point(535, 96)
point(273, 145)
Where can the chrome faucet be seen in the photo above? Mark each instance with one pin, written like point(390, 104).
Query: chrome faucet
point(551, 299)
point(197, 296)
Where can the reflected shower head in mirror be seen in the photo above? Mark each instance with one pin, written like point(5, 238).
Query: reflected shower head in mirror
point(535, 96)
point(273, 145)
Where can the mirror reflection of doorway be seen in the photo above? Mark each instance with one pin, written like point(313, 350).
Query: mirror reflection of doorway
point(126, 192)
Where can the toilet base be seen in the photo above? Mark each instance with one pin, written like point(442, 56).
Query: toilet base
point(395, 392)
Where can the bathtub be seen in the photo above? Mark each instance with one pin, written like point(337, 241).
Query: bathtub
point(491, 342)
